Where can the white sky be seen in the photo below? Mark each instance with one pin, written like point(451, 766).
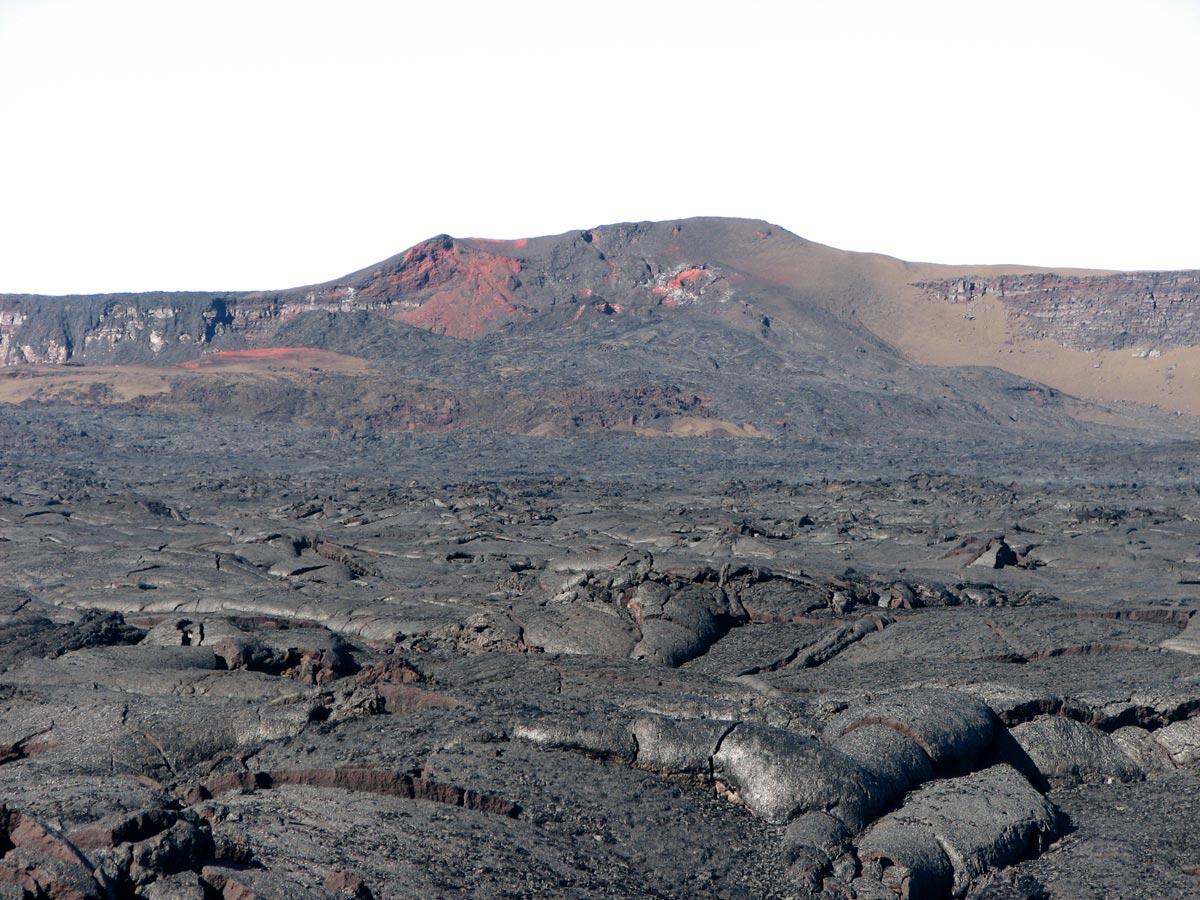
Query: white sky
point(213, 144)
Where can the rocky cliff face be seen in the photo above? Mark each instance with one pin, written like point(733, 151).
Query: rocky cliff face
point(1145, 310)
point(468, 288)
point(462, 288)
point(141, 327)
point(617, 327)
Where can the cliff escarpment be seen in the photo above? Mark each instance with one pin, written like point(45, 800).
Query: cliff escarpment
point(1148, 310)
point(618, 327)
point(461, 288)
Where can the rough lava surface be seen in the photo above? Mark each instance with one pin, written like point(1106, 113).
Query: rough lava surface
point(621, 563)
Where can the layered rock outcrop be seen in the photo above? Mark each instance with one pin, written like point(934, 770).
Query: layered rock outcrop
point(1145, 310)
point(462, 288)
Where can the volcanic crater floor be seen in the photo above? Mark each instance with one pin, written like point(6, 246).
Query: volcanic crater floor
point(249, 662)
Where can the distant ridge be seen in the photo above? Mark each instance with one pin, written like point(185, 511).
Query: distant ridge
point(796, 337)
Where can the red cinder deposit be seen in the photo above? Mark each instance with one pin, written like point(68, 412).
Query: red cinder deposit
point(469, 291)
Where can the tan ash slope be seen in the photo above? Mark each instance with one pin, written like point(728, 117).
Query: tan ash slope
point(1101, 335)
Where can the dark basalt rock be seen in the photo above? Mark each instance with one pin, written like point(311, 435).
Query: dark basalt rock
point(623, 562)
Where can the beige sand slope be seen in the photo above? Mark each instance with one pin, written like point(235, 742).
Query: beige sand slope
point(881, 293)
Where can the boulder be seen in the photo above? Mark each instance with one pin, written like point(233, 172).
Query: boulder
point(607, 741)
point(979, 822)
point(1056, 749)
point(895, 761)
point(906, 857)
point(1139, 745)
point(588, 628)
point(1181, 741)
point(948, 725)
point(780, 775)
point(678, 746)
point(996, 555)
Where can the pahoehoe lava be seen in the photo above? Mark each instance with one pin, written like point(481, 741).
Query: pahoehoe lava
point(658, 559)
